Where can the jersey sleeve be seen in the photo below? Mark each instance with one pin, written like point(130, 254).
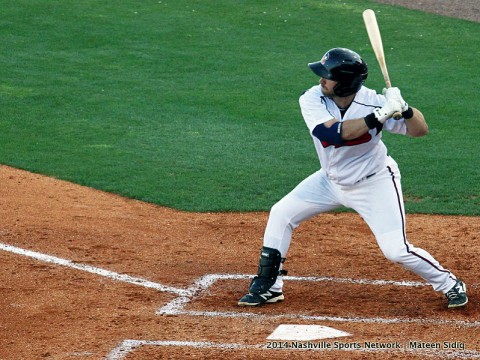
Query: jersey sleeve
point(314, 109)
point(395, 126)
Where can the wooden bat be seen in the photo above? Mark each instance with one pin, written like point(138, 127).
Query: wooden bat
point(376, 40)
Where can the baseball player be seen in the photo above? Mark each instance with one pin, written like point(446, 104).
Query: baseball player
point(346, 120)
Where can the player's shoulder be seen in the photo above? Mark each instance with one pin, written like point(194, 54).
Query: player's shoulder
point(312, 94)
point(314, 91)
point(369, 97)
point(367, 93)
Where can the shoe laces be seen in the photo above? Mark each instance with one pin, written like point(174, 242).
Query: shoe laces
point(452, 294)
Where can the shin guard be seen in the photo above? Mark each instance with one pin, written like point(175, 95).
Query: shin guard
point(268, 270)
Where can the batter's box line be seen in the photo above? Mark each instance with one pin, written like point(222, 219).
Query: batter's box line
point(184, 296)
point(202, 284)
point(206, 281)
point(128, 346)
point(94, 270)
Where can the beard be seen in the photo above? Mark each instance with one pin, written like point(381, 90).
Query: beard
point(327, 92)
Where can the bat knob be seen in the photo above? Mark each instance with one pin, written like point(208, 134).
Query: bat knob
point(397, 116)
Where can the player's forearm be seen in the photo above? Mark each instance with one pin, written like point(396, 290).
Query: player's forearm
point(334, 132)
point(353, 129)
point(416, 125)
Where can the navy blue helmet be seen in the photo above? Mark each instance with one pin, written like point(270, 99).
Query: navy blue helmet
point(342, 65)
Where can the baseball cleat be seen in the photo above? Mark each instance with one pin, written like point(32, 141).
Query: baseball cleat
point(457, 295)
point(268, 297)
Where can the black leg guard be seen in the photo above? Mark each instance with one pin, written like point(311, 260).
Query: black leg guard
point(268, 270)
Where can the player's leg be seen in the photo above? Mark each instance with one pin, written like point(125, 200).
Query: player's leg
point(312, 196)
point(379, 201)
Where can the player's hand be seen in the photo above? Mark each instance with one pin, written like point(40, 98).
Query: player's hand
point(391, 106)
point(393, 93)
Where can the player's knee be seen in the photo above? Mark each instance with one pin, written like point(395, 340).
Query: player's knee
point(278, 210)
point(393, 256)
point(281, 213)
point(393, 246)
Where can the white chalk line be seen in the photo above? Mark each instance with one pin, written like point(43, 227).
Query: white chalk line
point(177, 305)
point(203, 283)
point(94, 270)
point(128, 346)
point(377, 320)
point(199, 285)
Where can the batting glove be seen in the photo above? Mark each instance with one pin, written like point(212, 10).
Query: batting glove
point(391, 106)
point(393, 93)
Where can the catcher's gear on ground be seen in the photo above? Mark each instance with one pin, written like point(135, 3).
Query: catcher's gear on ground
point(344, 66)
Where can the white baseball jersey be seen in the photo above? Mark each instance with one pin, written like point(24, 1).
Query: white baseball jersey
point(358, 158)
point(346, 178)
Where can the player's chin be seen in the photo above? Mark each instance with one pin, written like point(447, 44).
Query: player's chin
point(326, 91)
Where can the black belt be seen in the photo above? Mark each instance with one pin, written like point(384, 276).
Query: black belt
point(365, 178)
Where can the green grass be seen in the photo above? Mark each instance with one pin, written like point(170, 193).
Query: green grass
point(194, 104)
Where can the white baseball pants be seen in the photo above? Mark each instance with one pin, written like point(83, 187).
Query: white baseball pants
point(378, 200)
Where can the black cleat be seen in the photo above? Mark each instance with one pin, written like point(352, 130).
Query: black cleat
point(457, 295)
point(268, 297)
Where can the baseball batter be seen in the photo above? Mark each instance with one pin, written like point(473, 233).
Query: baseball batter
point(346, 121)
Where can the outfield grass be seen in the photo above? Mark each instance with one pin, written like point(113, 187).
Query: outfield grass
point(194, 104)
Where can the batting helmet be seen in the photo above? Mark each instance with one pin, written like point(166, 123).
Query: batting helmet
point(342, 65)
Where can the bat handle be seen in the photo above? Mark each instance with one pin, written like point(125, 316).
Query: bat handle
point(397, 115)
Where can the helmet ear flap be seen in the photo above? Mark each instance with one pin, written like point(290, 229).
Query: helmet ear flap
point(343, 89)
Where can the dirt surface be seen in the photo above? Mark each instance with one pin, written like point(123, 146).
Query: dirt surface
point(52, 309)
point(65, 251)
point(463, 9)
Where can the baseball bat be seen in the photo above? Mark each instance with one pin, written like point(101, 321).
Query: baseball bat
point(376, 41)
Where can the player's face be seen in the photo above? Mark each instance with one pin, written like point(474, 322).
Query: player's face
point(327, 86)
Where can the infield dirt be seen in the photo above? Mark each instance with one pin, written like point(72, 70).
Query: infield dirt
point(56, 312)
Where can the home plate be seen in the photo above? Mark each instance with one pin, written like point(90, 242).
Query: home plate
point(305, 332)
